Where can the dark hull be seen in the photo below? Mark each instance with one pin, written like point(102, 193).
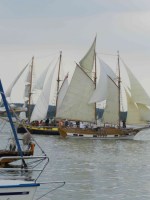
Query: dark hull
point(5, 153)
point(7, 157)
point(39, 130)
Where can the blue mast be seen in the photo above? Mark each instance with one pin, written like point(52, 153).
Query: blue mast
point(10, 119)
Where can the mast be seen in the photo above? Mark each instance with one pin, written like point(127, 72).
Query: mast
point(95, 77)
point(30, 90)
point(119, 88)
point(58, 79)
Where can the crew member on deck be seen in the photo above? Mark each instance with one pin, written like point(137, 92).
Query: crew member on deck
point(60, 123)
point(66, 123)
point(47, 122)
point(31, 148)
point(124, 124)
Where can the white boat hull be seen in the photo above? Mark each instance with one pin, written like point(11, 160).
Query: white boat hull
point(17, 190)
point(98, 137)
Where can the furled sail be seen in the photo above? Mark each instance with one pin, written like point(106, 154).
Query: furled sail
point(133, 114)
point(138, 93)
point(27, 85)
point(41, 107)
point(87, 61)
point(100, 93)
point(75, 104)
point(9, 90)
point(111, 111)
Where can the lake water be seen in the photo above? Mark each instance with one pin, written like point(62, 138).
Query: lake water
point(97, 169)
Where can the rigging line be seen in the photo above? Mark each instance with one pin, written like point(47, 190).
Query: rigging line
point(43, 167)
point(36, 162)
point(63, 183)
point(107, 54)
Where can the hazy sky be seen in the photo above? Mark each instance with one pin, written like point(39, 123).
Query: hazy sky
point(44, 27)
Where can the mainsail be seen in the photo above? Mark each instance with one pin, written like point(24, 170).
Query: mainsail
point(87, 61)
point(75, 104)
point(41, 107)
point(111, 110)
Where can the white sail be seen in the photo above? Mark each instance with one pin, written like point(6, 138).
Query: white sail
point(144, 112)
point(111, 111)
point(41, 107)
point(62, 92)
point(40, 81)
point(138, 93)
point(100, 93)
point(87, 61)
point(9, 90)
point(133, 114)
point(22, 114)
point(27, 84)
point(75, 103)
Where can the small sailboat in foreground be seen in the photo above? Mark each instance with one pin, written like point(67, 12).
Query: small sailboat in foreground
point(19, 186)
point(79, 102)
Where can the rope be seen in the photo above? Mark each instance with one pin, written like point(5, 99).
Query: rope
point(63, 183)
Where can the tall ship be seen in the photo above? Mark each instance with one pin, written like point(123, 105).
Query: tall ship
point(85, 91)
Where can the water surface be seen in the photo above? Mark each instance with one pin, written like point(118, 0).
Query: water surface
point(96, 169)
point(99, 169)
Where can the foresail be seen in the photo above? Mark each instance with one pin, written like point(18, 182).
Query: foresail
point(75, 104)
point(87, 61)
point(41, 107)
point(9, 90)
point(138, 93)
point(144, 112)
point(111, 111)
point(133, 114)
point(100, 93)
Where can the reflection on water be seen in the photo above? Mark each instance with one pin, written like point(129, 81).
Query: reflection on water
point(97, 169)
